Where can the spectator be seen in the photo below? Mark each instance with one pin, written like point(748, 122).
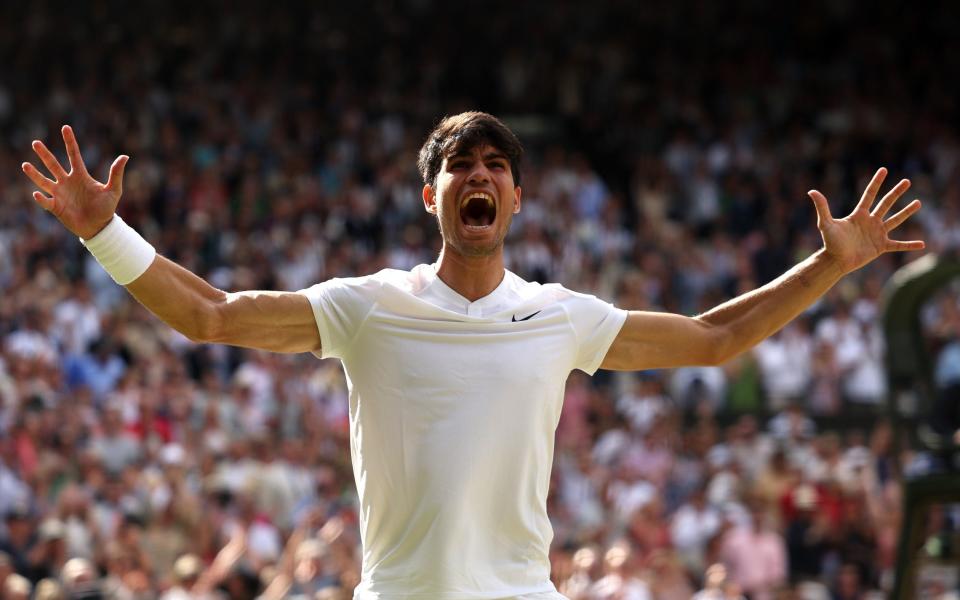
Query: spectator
point(48, 589)
point(858, 351)
point(80, 579)
point(49, 554)
point(669, 192)
point(310, 574)
point(76, 320)
point(20, 539)
point(809, 536)
point(99, 370)
point(112, 445)
point(849, 585)
point(755, 554)
point(716, 586)
point(785, 367)
point(6, 567)
point(692, 526)
point(16, 587)
point(617, 582)
point(186, 571)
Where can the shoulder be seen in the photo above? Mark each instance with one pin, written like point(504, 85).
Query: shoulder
point(370, 286)
point(549, 292)
point(385, 276)
point(582, 310)
point(574, 301)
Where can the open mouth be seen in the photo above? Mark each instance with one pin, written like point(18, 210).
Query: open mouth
point(478, 210)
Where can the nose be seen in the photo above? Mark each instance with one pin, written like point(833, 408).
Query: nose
point(479, 173)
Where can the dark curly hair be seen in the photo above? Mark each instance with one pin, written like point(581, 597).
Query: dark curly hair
point(465, 131)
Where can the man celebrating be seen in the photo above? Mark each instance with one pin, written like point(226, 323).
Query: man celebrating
point(457, 369)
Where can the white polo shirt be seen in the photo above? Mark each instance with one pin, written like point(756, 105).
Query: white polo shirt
point(453, 409)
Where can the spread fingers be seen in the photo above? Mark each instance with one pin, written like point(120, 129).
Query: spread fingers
point(902, 215)
point(37, 178)
point(49, 160)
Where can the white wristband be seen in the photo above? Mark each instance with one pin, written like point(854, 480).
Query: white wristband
point(121, 251)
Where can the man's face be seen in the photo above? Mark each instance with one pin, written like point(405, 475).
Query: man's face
point(474, 199)
point(18, 528)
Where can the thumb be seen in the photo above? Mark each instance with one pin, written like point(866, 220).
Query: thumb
point(115, 181)
point(823, 209)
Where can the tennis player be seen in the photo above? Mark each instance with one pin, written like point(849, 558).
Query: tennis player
point(456, 369)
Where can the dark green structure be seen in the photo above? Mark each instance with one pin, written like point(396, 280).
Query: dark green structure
point(912, 395)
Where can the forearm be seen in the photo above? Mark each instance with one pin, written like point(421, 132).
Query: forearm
point(748, 319)
point(179, 298)
point(174, 294)
point(279, 587)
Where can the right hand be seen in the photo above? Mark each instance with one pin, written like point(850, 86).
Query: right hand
point(84, 205)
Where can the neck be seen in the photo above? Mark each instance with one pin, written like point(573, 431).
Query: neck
point(473, 277)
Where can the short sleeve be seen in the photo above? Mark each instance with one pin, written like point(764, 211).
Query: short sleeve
point(596, 324)
point(340, 307)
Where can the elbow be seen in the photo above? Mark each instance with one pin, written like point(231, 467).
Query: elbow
point(721, 346)
point(200, 331)
point(206, 325)
point(198, 337)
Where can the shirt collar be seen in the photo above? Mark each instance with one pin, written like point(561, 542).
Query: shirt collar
point(435, 289)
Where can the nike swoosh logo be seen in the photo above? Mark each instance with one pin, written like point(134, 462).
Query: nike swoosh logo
point(514, 318)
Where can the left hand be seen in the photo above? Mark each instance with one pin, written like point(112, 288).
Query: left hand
point(863, 235)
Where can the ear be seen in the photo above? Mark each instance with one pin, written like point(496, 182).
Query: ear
point(429, 199)
point(517, 192)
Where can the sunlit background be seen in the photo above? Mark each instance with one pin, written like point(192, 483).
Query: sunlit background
point(669, 150)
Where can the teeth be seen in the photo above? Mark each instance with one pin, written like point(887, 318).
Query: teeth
point(478, 209)
point(480, 195)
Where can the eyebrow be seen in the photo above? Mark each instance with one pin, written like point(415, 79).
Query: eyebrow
point(491, 155)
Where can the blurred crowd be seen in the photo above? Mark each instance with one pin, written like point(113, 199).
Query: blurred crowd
point(669, 151)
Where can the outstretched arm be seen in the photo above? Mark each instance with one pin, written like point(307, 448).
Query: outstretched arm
point(275, 321)
point(658, 340)
point(278, 321)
